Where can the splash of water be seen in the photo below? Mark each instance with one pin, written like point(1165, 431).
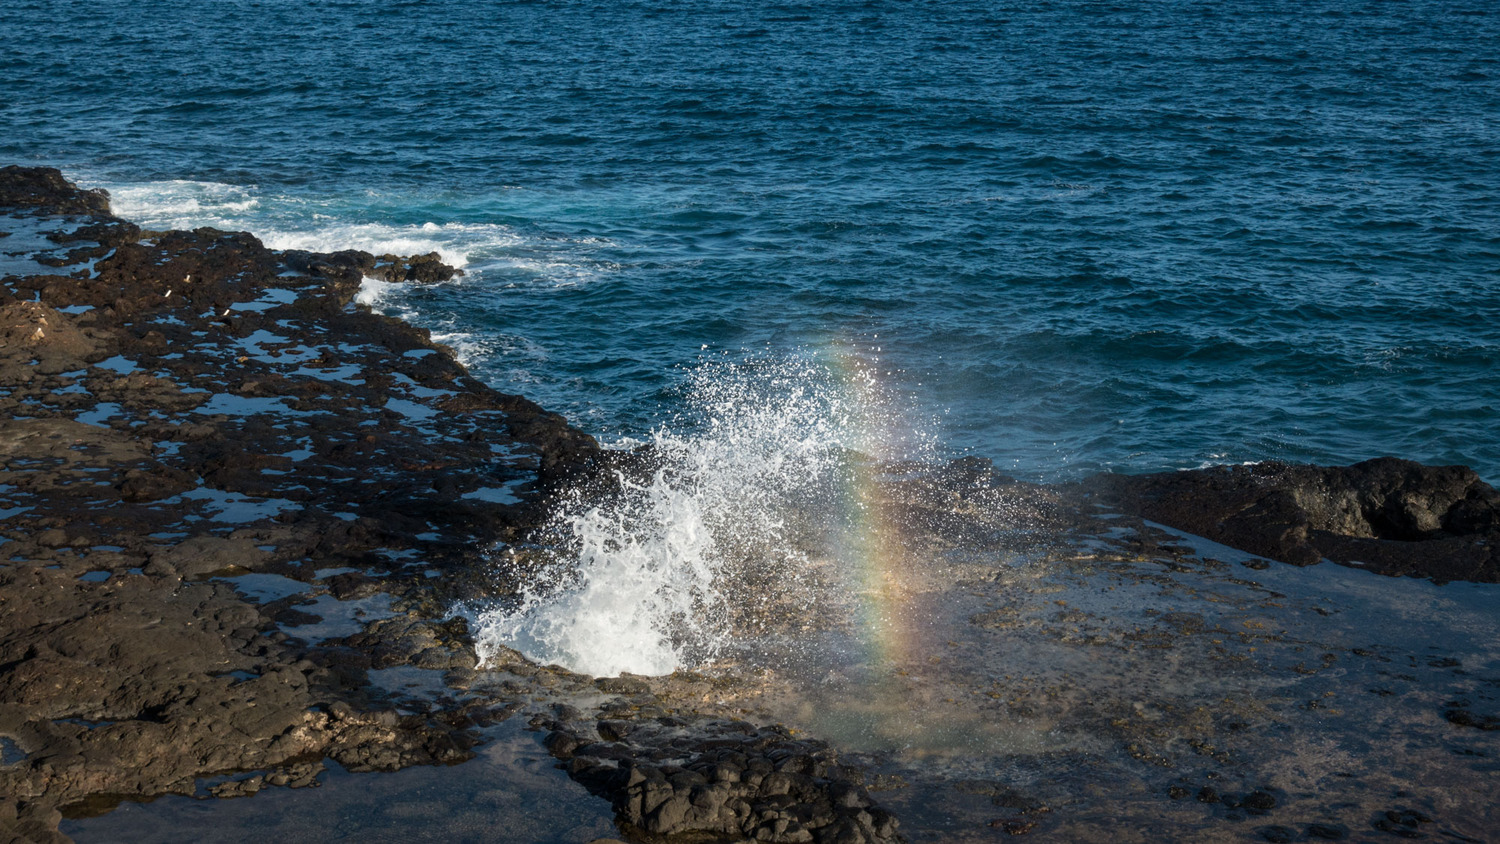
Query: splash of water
point(655, 573)
point(320, 224)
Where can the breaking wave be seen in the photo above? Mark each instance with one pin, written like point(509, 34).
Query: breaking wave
point(285, 221)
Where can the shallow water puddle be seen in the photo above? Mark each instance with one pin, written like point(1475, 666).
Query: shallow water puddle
point(234, 405)
point(412, 689)
point(267, 587)
point(10, 752)
point(511, 792)
point(271, 298)
point(233, 507)
point(504, 494)
point(266, 347)
point(100, 414)
point(348, 373)
point(337, 619)
point(27, 240)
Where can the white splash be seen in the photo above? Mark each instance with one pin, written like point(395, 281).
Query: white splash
point(468, 348)
point(181, 203)
point(373, 292)
point(317, 224)
point(455, 242)
point(642, 581)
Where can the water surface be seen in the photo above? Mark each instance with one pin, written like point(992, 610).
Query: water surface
point(1079, 235)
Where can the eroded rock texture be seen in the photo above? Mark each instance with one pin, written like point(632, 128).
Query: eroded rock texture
point(720, 781)
point(1391, 516)
point(183, 413)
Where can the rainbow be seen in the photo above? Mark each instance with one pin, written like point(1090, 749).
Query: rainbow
point(872, 553)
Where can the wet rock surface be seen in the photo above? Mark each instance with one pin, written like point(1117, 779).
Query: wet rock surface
point(718, 780)
point(206, 448)
point(392, 269)
point(1085, 675)
point(44, 189)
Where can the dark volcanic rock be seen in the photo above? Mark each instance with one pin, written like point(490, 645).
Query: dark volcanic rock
point(426, 269)
point(1465, 718)
point(177, 411)
point(1391, 516)
point(44, 189)
point(707, 780)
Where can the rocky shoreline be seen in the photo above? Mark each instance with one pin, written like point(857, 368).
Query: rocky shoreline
point(183, 407)
point(230, 494)
point(186, 409)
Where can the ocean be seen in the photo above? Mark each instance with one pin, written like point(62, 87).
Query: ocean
point(1066, 236)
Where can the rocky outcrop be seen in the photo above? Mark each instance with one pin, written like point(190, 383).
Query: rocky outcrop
point(425, 269)
point(185, 412)
point(44, 190)
point(1390, 516)
point(726, 781)
point(180, 414)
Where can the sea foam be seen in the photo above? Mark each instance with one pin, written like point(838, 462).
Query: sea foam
point(317, 224)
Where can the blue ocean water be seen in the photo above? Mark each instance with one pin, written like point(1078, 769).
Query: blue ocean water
point(1075, 235)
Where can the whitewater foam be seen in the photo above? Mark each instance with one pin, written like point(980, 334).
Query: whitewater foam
point(373, 292)
point(468, 348)
point(494, 255)
point(552, 272)
point(180, 203)
point(317, 224)
point(455, 242)
point(644, 571)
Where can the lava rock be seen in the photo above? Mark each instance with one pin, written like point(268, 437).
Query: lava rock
point(219, 439)
point(45, 189)
point(1259, 801)
point(1465, 718)
point(1391, 516)
point(697, 777)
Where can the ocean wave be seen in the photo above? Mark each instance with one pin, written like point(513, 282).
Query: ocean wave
point(315, 223)
point(456, 242)
point(180, 203)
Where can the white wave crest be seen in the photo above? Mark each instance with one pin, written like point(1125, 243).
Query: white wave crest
point(468, 348)
point(286, 221)
point(455, 242)
point(180, 203)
